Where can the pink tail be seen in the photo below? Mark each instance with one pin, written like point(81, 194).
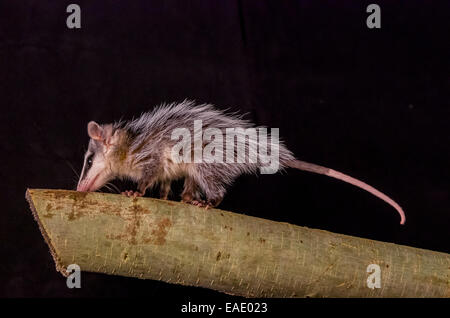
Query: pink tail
point(305, 166)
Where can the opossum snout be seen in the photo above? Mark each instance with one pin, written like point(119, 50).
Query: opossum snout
point(87, 185)
point(92, 182)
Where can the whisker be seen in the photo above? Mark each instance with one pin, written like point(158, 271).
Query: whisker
point(114, 186)
point(73, 169)
point(107, 187)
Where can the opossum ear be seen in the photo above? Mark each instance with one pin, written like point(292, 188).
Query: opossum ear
point(95, 131)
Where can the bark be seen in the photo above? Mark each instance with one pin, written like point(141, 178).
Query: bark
point(229, 252)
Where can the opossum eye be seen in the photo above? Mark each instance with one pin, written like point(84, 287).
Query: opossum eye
point(89, 161)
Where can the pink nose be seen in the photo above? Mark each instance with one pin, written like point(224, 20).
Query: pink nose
point(83, 186)
point(88, 184)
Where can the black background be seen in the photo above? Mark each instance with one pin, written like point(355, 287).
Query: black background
point(370, 103)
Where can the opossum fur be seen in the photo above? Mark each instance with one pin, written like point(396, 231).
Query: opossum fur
point(141, 150)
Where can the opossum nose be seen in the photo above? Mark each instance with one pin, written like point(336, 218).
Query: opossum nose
point(88, 184)
point(81, 187)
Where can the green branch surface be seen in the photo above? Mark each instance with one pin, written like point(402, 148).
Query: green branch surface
point(228, 252)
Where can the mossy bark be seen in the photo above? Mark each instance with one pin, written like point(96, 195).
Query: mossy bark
point(229, 252)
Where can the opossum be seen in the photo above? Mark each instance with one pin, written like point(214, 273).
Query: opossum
point(142, 150)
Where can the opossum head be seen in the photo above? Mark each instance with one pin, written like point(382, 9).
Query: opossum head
point(97, 167)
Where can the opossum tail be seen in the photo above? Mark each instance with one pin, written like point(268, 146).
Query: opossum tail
point(305, 166)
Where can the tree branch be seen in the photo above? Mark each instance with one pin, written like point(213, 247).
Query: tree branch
point(229, 252)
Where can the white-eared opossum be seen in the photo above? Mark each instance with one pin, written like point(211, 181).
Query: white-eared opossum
point(143, 150)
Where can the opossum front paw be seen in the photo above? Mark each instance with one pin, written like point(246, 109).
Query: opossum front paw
point(132, 194)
